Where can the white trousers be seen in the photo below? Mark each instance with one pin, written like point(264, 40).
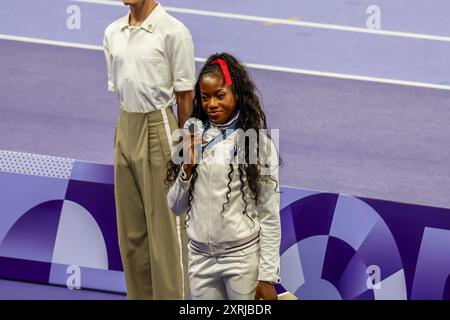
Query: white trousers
point(232, 276)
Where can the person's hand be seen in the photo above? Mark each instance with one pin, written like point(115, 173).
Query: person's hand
point(192, 146)
point(265, 291)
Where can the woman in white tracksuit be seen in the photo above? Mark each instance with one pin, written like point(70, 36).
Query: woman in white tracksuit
point(230, 194)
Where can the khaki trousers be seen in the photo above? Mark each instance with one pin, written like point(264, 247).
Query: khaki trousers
point(152, 240)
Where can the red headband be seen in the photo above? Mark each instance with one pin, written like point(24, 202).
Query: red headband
point(225, 71)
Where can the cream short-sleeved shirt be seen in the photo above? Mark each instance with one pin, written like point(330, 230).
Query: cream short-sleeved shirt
point(147, 64)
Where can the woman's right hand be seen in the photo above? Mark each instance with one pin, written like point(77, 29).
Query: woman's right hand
point(192, 150)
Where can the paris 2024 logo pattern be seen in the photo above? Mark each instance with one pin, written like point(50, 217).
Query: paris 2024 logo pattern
point(57, 224)
point(343, 247)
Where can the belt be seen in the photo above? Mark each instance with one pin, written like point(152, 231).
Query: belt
point(214, 249)
point(169, 104)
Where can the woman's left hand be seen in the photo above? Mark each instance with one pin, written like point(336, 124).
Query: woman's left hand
point(265, 291)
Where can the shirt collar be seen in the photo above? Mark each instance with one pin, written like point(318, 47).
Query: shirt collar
point(149, 23)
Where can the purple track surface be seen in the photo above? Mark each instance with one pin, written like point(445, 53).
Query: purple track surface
point(280, 45)
point(366, 139)
point(416, 16)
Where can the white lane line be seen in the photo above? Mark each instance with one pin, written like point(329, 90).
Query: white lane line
point(249, 65)
point(51, 42)
point(287, 22)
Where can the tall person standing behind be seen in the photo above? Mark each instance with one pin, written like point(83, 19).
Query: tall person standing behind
point(150, 60)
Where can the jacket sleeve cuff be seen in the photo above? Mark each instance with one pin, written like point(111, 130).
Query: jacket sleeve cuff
point(269, 277)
